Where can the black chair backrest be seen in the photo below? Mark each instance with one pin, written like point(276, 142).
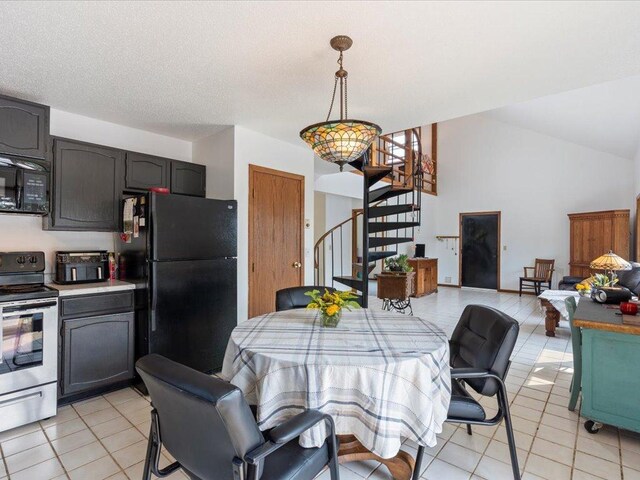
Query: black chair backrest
point(204, 422)
point(484, 338)
point(294, 297)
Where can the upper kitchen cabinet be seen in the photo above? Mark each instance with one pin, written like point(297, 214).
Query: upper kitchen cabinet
point(24, 128)
point(87, 186)
point(146, 171)
point(188, 178)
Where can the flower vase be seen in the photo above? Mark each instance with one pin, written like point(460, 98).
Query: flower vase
point(331, 321)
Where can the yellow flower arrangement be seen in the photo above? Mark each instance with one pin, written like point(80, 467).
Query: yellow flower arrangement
point(331, 304)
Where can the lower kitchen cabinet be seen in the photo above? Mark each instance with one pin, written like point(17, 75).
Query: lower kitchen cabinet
point(97, 350)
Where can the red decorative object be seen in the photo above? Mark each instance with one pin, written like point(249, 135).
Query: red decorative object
point(629, 308)
point(159, 190)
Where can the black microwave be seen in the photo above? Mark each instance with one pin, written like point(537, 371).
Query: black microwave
point(24, 185)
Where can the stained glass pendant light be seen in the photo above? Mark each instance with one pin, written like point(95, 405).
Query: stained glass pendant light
point(340, 141)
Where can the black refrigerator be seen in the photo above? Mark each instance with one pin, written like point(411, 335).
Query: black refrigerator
point(183, 261)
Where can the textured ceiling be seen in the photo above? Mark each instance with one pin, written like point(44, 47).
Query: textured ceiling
point(604, 117)
point(182, 68)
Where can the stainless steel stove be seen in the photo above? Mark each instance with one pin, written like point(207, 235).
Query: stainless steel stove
point(28, 329)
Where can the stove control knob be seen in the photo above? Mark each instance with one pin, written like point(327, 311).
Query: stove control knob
point(33, 260)
point(21, 260)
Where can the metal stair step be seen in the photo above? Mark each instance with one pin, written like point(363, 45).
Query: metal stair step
point(352, 282)
point(375, 256)
point(389, 191)
point(386, 210)
point(382, 241)
point(375, 227)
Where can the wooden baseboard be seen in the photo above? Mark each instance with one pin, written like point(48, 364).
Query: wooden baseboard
point(448, 285)
point(507, 290)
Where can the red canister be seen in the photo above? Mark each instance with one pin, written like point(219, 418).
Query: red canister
point(629, 308)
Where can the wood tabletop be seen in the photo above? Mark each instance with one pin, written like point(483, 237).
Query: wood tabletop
point(590, 314)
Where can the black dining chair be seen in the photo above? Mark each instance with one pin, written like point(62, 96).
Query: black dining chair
point(294, 297)
point(480, 348)
point(207, 426)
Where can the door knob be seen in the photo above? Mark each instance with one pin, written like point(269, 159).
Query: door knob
point(297, 265)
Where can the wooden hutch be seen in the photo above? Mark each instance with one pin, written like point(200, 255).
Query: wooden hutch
point(426, 278)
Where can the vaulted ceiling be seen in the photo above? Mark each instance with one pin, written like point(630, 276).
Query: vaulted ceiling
point(184, 68)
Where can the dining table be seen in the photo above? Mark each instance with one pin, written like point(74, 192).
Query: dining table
point(384, 377)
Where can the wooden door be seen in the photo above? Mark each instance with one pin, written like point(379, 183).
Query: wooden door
point(276, 235)
point(480, 250)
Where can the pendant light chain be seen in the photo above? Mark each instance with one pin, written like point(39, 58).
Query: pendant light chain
point(333, 99)
point(346, 111)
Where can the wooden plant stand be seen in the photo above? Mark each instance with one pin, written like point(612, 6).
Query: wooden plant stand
point(395, 289)
point(351, 450)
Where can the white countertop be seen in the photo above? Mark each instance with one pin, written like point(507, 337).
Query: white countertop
point(89, 288)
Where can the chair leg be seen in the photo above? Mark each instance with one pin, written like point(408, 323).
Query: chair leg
point(418, 465)
point(502, 398)
point(334, 472)
point(152, 453)
point(575, 392)
point(469, 432)
point(520, 287)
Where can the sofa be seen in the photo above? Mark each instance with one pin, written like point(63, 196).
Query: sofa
point(629, 279)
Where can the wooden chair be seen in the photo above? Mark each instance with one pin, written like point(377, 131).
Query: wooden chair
point(536, 276)
point(576, 343)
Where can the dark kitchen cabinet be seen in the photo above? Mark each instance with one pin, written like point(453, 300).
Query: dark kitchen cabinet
point(24, 128)
point(87, 186)
point(188, 178)
point(96, 350)
point(146, 171)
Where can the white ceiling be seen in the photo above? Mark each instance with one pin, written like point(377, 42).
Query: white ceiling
point(182, 68)
point(604, 117)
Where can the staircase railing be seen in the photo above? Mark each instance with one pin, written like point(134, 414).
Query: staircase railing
point(335, 251)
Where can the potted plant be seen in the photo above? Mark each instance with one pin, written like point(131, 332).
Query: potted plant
point(331, 305)
point(399, 264)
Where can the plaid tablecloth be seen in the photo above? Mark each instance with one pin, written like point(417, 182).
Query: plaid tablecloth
point(382, 376)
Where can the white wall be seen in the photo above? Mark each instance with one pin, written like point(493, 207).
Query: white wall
point(217, 153)
point(535, 180)
point(23, 232)
point(258, 149)
point(346, 184)
point(78, 127)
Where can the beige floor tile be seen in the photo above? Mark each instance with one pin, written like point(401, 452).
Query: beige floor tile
point(64, 414)
point(500, 451)
point(122, 396)
point(111, 427)
point(439, 470)
point(82, 455)
point(93, 405)
point(459, 456)
point(97, 470)
point(42, 471)
point(630, 474)
point(19, 431)
point(601, 450)
point(101, 416)
point(60, 430)
point(139, 416)
point(28, 458)
point(547, 469)
point(630, 459)
point(493, 469)
point(562, 437)
point(122, 439)
point(132, 405)
point(523, 440)
point(477, 443)
point(73, 441)
point(553, 451)
point(597, 466)
point(24, 442)
point(580, 475)
point(130, 455)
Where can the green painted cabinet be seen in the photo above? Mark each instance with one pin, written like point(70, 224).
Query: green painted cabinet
point(610, 379)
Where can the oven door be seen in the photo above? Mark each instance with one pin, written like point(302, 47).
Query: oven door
point(8, 188)
point(29, 344)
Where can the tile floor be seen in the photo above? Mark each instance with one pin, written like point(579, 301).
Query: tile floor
point(105, 437)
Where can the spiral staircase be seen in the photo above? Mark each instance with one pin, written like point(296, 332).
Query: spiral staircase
point(393, 171)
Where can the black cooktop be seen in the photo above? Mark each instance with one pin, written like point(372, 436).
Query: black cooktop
point(11, 293)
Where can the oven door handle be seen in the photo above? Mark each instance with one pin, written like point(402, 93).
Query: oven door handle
point(23, 398)
point(28, 308)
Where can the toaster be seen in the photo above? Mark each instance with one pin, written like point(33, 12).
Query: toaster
point(82, 267)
